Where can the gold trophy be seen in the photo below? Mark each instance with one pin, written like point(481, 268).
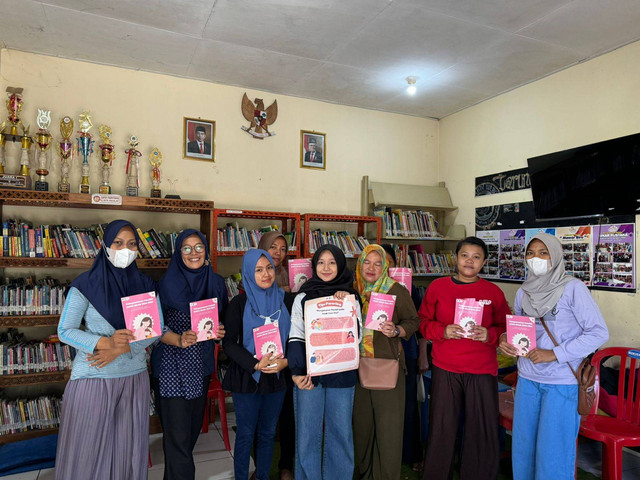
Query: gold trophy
point(133, 164)
point(107, 157)
point(155, 159)
point(85, 148)
point(14, 106)
point(65, 151)
point(43, 141)
point(3, 141)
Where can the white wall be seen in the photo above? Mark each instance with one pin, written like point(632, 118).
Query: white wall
point(591, 102)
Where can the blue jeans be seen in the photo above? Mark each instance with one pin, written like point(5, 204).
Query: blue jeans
point(256, 415)
point(545, 429)
point(332, 407)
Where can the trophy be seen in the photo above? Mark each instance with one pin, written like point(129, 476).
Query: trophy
point(14, 106)
point(3, 140)
point(85, 148)
point(107, 157)
point(133, 163)
point(172, 188)
point(65, 151)
point(43, 142)
point(155, 159)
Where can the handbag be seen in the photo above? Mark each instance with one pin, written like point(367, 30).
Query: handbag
point(586, 377)
point(379, 373)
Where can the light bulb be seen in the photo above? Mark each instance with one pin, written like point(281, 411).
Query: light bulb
point(411, 89)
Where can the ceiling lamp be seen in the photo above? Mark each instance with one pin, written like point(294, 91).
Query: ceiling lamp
point(411, 89)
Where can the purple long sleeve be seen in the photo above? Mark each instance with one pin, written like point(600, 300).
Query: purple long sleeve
point(578, 327)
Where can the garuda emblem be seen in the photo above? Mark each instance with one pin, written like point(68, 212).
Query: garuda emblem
point(259, 117)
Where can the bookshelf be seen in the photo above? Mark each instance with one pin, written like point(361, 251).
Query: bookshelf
point(32, 199)
point(361, 221)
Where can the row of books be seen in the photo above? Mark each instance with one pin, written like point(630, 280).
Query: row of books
point(28, 296)
point(22, 415)
point(233, 284)
point(414, 257)
point(350, 245)
point(18, 355)
point(408, 223)
point(234, 238)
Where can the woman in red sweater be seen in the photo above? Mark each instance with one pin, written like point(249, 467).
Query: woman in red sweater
point(464, 370)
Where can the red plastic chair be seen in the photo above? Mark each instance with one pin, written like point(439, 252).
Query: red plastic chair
point(215, 392)
point(622, 430)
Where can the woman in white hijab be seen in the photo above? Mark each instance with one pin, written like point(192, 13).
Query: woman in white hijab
point(546, 420)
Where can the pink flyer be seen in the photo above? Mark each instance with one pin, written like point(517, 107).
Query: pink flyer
point(402, 276)
point(141, 315)
point(204, 318)
point(299, 272)
point(267, 340)
point(468, 314)
point(380, 310)
point(521, 333)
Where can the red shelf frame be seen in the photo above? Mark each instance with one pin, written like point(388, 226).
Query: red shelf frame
point(360, 220)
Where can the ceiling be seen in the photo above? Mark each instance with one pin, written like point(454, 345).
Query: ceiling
point(350, 52)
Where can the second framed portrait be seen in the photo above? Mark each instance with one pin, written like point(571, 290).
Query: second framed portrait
point(313, 150)
point(198, 142)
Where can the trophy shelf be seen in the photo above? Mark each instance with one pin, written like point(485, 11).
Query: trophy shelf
point(19, 321)
point(36, 378)
point(80, 263)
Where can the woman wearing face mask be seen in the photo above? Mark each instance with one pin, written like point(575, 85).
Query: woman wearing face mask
point(104, 430)
point(324, 400)
point(257, 386)
point(463, 370)
point(181, 365)
point(545, 419)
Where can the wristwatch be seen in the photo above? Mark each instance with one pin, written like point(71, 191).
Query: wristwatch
point(397, 332)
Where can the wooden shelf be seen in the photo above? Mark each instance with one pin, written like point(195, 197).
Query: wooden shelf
point(83, 263)
point(19, 436)
point(420, 239)
point(34, 378)
point(359, 220)
point(19, 321)
point(239, 253)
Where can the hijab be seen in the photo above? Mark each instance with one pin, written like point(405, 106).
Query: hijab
point(315, 287)
point(263, 305)
point(182, 285)
point(104, 285)
point(541, 293)
point(267, 239)
point(382, 285)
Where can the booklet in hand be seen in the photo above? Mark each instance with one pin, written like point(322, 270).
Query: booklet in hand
point(141, 315)
point(204, 318)
point(267, 340)
point(402, 275)
point(468, 314)
point(381, 307)
point(299, 272)
point(521, 333)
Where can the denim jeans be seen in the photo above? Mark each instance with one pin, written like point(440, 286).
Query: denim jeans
point(256, 415)
point(333, 408)
point(545, 429)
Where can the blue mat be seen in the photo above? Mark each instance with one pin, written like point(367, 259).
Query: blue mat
point(33, 454)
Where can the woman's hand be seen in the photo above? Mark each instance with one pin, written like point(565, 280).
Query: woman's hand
point(188, 338)
point(538, 355)
point(479, 334)
point(388, 329)
point(264, 362)
point(220, 332)
point(453, 331)
point(340, 295)
point(276, 365)
point(122, 337)
point(506, 347)
point(303, 382)
point(100, 358)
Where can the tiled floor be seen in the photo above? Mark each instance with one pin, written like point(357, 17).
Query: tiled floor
point(590, 460)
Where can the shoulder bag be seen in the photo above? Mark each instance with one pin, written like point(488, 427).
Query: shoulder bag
point(380, 373)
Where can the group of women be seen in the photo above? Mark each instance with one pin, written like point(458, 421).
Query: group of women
point(329, 424)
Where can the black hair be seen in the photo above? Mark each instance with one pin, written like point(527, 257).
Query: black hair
point(473, 241)
point(389, 249)
point(200, 128)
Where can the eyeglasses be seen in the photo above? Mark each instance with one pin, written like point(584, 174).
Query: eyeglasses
point(186, 250)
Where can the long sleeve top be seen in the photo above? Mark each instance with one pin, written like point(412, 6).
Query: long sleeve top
point(577, 325)
point(77, 308)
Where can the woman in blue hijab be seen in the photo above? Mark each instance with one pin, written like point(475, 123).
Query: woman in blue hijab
point(257, 386)
point(181, 366)
point(104, 431)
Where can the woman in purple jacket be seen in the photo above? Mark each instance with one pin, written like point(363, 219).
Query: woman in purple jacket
point(546, 420)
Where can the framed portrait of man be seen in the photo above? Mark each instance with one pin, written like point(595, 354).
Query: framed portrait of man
point(199, 139)
point(313, 150)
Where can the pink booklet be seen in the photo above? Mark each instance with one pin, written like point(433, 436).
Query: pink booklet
point(299, 272)
point(468, 314)
point(521, 333)
point(204, 318)
point(141, 315)
point(402, 275)
point(380, 310)
point(267, 340)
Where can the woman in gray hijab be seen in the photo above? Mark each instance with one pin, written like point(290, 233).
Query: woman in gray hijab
point(546, 420)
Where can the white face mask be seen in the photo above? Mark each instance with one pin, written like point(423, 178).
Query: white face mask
point(538, 266)
point(121, 258)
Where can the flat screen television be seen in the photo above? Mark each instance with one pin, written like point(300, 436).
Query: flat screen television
point(601, 179)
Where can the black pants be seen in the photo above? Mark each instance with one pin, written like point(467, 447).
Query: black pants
point(477, 397)
point(411, 444)
point(287, 432)
point(181, 421)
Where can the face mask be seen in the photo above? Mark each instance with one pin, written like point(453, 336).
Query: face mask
point(538, 266)
point(121, 258)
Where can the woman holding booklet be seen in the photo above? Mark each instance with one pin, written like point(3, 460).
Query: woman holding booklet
point(546, 419)
point(322, 399)
point(378, 415)
point(255, 321)
point(104, 430)
point(464, 368)
point(181, 364)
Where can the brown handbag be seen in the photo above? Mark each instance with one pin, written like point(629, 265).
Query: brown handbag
point(586, 377)
point(379, 373)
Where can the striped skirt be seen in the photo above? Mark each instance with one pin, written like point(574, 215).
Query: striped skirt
point(104, 430)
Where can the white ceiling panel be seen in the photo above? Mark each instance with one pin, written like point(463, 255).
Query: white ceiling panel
point(23, 25)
